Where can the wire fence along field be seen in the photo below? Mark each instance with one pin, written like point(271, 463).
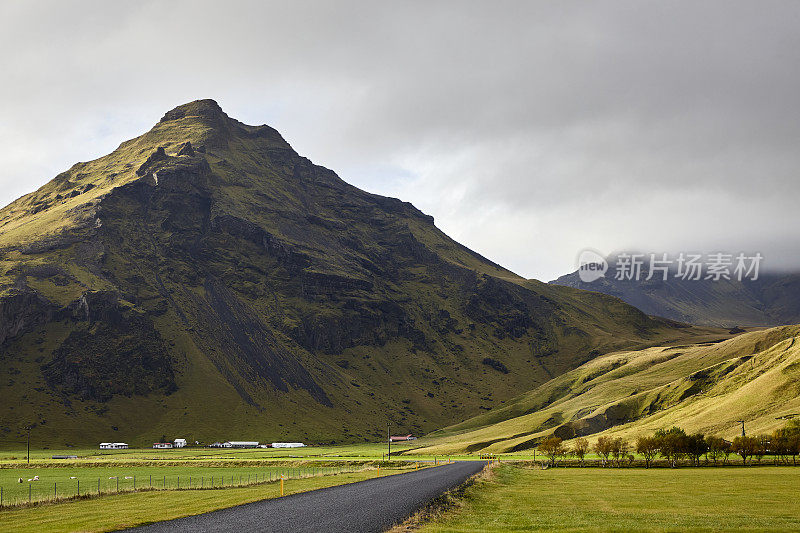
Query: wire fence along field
point(30, 486)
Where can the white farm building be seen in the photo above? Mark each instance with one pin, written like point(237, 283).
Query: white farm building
point(180, 443)
point(287, 445)
point(113, 446)
point(240, 444)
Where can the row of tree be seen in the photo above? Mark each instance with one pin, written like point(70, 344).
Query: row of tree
point(676, 446)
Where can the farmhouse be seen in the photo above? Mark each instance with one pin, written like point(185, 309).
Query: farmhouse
point(113, 446)
point(162, 445)
point(180, 443)
point(287, 445)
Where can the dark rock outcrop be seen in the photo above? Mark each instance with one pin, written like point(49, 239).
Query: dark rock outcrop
point(158, 155)
point(186, 149)
point(21, 311)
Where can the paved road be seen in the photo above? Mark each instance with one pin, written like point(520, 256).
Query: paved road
point(367, 506)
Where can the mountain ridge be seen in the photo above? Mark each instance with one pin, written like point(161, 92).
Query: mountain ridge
point(205, 276)
point(769, 300)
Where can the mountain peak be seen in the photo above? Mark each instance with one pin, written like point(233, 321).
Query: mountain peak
point(206, 108)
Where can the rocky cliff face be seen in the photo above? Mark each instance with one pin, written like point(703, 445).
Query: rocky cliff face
point(205, 278)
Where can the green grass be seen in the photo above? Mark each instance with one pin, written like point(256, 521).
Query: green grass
point(591, 499)
point(109, 513)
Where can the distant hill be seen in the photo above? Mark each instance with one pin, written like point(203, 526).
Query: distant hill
point(205, 281)
point(706, 387)
point(771, 300)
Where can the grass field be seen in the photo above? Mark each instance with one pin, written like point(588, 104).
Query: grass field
point(102, 472)
point(592, 499)
point(113, 512)
point(68, 481)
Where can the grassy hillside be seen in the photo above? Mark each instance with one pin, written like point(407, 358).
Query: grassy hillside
point(206, 281)
point(706, 387)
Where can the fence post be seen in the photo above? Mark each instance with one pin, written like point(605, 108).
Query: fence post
point(55, 490)
point(79, 486)
point(29, 492)
point(1, 496)
point(164, 483)
point(98, 486)
point(134, 482)
point(117, 483)
point(179, 482)
point(151, 481)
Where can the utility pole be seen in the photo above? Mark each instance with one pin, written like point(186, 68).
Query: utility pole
point(389, 442)
point(742, 423)
point(29, 444)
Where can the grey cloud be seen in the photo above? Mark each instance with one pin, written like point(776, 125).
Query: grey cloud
point(528, 129)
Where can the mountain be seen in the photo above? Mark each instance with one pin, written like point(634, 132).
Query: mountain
point(702, 387)
point(206, 281)
point(771, 300)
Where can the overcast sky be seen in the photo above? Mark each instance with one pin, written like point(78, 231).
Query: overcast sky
point(529, 130)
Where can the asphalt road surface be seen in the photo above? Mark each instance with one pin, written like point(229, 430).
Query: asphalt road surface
point(367, 506)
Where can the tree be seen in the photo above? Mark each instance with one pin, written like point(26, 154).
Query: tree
point(744, 447)
point(794, 447)
point(647, 447)
point(792, 433)
point(580, 448)
point(727, 450)
point(672, 443)
point(696, 446)
point(553, 448)
point(603, 448)
point(619, 449)
point(780, 445)
point(716, 448)
point(762, 448)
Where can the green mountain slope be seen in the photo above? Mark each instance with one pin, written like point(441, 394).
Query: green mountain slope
point(204, 280)
point(706, 387)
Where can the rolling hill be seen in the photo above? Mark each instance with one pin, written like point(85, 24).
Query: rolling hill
point(701, 387)
point(206, 281)
point(771, 300)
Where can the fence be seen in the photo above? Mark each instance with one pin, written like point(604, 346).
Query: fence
point(34, 490)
